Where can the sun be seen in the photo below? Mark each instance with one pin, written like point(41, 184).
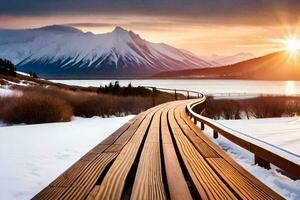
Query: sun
point(292, 45)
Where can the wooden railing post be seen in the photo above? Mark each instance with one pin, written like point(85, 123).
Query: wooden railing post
point(215, 134)
point(262, 157)
point(195, 120)
point(153, 96)
point(175, 94)
point(261, 162)
point(188, 94)
point(202, 126)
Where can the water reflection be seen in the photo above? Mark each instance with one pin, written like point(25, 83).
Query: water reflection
point(207, 86)
point(290, 88)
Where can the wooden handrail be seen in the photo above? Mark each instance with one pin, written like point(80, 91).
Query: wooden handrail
point(263, 155)
point(188, 93)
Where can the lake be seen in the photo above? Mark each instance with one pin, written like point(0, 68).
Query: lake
point(215, 87)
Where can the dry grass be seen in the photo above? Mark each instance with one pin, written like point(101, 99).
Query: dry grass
point(83, 101)
point(88, 104)
point(40, 104)
point(32, 109)
point(260, 107)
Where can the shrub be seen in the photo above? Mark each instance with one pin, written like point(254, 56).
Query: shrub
point(7, 67)
point(222, 108)
point(116, 89)
point(81, 103)
point(259, 107)
point(32, 109)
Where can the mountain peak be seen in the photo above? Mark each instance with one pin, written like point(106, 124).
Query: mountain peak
point(59, 28)
point(119, 30)
point(64, 52)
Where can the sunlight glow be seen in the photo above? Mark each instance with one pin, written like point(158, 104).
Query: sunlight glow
point(292, 45)
point(290, 88)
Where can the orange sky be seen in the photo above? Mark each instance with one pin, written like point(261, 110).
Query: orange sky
point(254, 28)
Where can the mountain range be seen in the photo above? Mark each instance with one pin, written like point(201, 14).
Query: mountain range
point(219, 60)
point(60, 51)
point(63, 51)
point(283, 65)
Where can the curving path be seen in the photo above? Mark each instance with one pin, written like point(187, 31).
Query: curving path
point(160, 154)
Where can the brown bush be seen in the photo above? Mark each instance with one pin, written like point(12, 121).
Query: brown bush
point(82, 103)
point(107, 105)
point(222, 108)
point(88, 104)
point(259, 107)
point(32, 109)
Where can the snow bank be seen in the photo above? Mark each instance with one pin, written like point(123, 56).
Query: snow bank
point(34, 155)
point(23, 73)
point(281, 132)
point(5, 92)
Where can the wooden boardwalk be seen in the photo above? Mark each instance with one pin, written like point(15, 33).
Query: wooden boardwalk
point(160, 154)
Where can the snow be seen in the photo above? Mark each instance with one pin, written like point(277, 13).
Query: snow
point(23, 73)
point(5, 92)
point(282, 132)
point(279, 132)
point(34, 155)
point(266, 144)
point(71, 47)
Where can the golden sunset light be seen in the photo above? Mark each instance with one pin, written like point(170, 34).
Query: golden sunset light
point(150, 99)
point(292, 45)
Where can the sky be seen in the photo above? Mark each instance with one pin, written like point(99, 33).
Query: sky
point(204, 27)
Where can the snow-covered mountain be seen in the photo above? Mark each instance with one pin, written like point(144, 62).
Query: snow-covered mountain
point(218, 60)
point(66, 51)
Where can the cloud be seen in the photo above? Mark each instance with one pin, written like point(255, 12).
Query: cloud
point(91, 25)
point(197, 11)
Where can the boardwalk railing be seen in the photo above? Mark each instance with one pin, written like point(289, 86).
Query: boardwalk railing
point(189, 93)
point(263, 154)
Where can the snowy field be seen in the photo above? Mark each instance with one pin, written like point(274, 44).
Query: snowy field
point(282, 133)
point(34, 155)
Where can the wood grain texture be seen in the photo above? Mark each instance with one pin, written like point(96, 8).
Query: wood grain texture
point(148, 183)
point(66, 181)
point(208, 184)
point(113, 183)
point(160, 154)
point(256, 184)
point(177, 185)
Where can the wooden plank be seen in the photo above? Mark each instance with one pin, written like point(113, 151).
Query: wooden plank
point(93, 193)
point(148, 183)
point(64, 182)
point(227, 157)
point(292, 168)
point(205, 150)
point(49, 193)
point(70, 175)
point(177, 185)
point(237, 181)
point(82, 186)
point(111, 138)
point(206, 181)
point(141, 160)
point(113, 183)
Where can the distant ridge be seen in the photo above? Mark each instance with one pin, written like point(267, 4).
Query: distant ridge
point(275, 66)
point(218, 60)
